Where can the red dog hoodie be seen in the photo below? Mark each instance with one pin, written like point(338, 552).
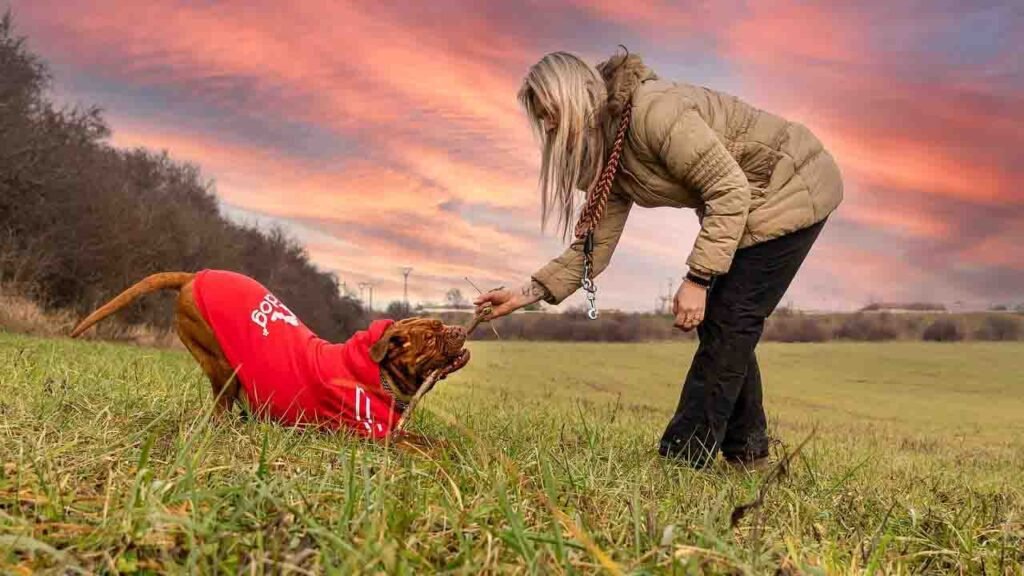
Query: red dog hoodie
point(287, 372)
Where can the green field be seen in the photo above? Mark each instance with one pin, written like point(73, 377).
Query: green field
point(109, 465)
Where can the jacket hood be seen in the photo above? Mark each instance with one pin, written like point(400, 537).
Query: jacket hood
point(622, 74)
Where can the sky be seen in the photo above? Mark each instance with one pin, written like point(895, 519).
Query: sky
point(387, 134)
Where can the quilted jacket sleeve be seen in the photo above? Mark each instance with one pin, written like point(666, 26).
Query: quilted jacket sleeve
point(562, 276)
point(691, 151)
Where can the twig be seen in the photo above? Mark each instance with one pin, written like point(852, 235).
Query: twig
point(473, 285)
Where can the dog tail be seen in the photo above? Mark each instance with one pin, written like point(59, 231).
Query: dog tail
point(152, 283)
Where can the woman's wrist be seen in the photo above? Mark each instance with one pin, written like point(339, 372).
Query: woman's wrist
point(699, 273)
point(698, 278)
point(531, 292)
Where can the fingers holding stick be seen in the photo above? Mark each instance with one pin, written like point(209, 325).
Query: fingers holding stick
point(484, 309)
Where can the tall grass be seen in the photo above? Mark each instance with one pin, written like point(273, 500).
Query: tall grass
point(111, 464)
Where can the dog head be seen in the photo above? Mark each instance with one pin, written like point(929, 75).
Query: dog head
point(412, 350)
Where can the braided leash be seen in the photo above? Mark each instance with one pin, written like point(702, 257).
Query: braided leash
point(590, 216)
point(593, 210)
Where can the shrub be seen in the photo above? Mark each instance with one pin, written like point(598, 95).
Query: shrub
point(999, 327)
point(943, 330)
point(793, 327)
point(397, 310)
point(868, 327)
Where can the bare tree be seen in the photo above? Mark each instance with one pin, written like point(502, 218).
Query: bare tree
point(455, 299)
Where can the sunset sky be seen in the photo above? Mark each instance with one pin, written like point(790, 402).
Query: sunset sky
point(385, 134)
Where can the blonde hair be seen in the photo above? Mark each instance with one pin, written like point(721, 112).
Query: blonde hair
point(564, 99)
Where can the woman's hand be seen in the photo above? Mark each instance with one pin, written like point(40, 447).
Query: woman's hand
point(503, 301)
point(688, 305)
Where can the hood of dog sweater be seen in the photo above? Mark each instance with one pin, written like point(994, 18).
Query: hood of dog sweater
point(351, 383)
point(351, 359)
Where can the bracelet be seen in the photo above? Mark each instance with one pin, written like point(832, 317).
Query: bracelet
point(702, 282)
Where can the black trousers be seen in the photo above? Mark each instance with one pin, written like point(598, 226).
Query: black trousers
point(720, 408)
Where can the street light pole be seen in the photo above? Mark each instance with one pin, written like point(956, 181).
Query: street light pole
point(405, 287)
point(369, 287)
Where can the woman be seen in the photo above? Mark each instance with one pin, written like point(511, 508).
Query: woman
point(762, 188)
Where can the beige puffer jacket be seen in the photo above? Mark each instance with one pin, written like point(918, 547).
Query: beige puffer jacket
point(750, 175)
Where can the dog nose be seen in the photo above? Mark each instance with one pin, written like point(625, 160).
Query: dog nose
point(456, 334)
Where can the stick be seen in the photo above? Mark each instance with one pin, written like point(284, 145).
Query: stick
point(431, 380)
point(479, 318)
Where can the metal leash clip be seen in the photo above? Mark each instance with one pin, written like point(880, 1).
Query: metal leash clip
point(588, 283)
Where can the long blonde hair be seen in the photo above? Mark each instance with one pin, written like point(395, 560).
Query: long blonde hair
point(564, 99)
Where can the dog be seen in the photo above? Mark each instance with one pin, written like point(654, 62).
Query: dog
point(252, 347)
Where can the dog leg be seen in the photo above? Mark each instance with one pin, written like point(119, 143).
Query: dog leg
point(197, 336)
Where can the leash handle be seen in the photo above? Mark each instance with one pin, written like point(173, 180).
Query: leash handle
point(587, 282)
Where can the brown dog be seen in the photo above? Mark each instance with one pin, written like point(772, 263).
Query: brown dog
point(252, 347)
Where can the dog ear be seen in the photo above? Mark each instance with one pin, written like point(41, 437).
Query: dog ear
point(380, 348)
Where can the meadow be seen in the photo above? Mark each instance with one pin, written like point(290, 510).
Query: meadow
point(913, 465)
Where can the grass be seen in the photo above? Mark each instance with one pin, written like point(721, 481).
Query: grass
point(109, 464)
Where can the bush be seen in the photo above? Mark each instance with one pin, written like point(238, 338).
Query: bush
point(397, 310)
point(999, 327)
point(868, 327)
point(943, 330)
point(793, 327)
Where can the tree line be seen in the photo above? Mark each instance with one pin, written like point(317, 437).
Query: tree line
point(81, 220)
point(785, 325)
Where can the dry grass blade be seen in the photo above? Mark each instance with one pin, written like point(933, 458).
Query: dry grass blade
point(773, 476)
point(577, 532)
point(686, 551)
point(599, 554)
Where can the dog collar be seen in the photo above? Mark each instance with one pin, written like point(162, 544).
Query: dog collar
point(385, 383)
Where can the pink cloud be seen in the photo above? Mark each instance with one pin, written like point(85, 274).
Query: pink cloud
point(379, 215)
point(424, 98)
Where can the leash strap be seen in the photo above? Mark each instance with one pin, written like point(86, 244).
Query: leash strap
point(594, 209)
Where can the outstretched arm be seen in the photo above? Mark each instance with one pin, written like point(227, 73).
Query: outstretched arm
point(504, 301)
point(561, 277)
